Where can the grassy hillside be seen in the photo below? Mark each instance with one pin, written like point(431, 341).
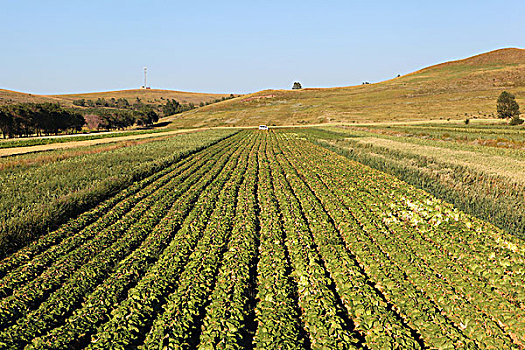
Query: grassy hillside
point(151, 96)
point(457, 89)
point(10, 97)
point(154, 96)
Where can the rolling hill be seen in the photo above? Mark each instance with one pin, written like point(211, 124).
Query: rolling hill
point(466, 88)
point(147, 96)
point(10, 97)
point(153, 96)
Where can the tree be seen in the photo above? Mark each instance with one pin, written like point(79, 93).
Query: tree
point(296, 86)
point(101, 102)
point(171, 107)
point(93, 121)
point(6, 123)
point(81, 102)
point(507, 106)
point(122, 103)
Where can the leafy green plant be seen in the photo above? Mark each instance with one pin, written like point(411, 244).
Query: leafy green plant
point(267, 240)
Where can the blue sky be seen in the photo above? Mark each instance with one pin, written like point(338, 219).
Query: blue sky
point(240, 46)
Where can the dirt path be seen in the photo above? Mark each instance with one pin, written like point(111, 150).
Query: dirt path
point(4, 152)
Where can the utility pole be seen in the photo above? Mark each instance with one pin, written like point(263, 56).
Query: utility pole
point(145, 77)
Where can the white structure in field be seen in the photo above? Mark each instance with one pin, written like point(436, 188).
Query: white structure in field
point(263, 127)
point(145, 86)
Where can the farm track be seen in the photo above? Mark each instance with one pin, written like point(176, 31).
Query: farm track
point(266, 241)
point(6, 152)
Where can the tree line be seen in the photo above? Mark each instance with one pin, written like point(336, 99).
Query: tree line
point(111, 119)
point(27, 119)
point(171, 106)
point(112, 102)
point(223, 98)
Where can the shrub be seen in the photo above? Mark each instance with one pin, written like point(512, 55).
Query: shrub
point(516, 120)
point(81, 102)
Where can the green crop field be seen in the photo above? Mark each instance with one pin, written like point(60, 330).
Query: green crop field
point(42, 190)
point(279, 239)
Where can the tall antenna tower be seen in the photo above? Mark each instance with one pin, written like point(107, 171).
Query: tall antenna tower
point(145, 86)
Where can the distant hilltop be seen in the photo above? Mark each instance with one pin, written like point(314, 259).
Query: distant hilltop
point(466, 88)
point(153, 96)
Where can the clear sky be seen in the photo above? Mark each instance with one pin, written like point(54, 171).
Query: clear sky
point(240, 46)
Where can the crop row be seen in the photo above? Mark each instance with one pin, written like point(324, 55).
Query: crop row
point(38, 198)
point(353, 225)
point(97, 306)
point(477, 301)
point(276, 312)
point(113, 247)
point(496, 196)
point(177, 326)
point(266, 241)
point(130, 321)
point(322, 314)
point(498, 257)
point(371, 314)
point(109, 213)
point(451, 296)
point(144, 214)
point(228, 317)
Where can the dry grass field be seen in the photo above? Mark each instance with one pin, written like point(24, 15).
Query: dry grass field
point(457, 90)
point(154, 96)
point(151, 96)
point(10, 97)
